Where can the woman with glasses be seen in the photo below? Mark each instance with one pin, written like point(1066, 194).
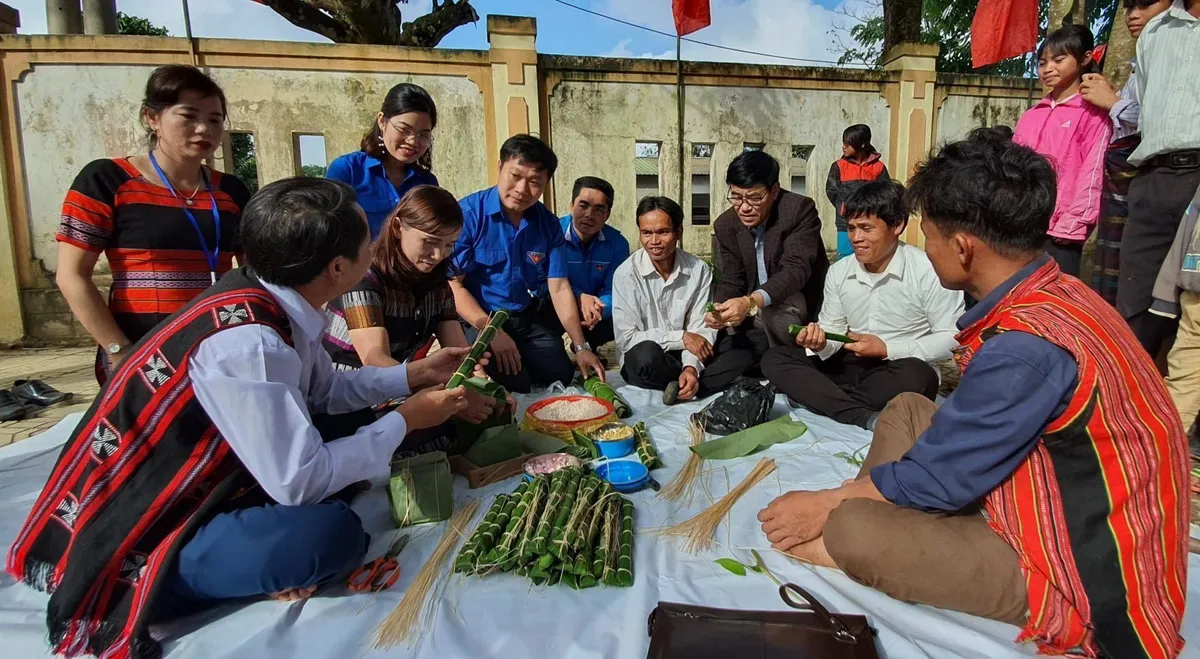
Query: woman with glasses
point(168, 224)
point(394, 155)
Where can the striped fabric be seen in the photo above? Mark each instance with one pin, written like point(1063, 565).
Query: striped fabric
point(1166, 75)
point(1098, 511)
point(156, 259)
point(144, 467)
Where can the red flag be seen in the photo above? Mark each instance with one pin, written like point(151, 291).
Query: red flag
point(692, 15)
point(1003, 29)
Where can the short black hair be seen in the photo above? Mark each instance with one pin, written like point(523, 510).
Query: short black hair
point(529, 150)
point(858, 136)
point(753, 168)
point(593, 183)
point(999, 133)
point(293, 228)
point(1000, 192)
point(883, 199)
point(652, 203)
point(1130, 4)
point(1070, 39)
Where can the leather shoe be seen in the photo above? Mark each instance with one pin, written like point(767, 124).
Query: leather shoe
point(11, 409)
point(36, 392)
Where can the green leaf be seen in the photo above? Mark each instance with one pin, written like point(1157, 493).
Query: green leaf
point(751, 440)
point(732, 565)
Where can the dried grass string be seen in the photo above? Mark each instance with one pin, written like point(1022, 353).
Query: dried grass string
point(414, 612)
point(684, 484)
point(698, 531)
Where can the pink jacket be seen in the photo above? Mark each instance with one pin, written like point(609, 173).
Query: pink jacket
point(1073, 135)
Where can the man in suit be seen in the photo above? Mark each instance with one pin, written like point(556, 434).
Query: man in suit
point(771, 257)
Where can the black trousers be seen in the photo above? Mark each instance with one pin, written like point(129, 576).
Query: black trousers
point(847, 388)
point(539, 339)
point(1158, 197)
point(1069, 255)
point(648, 366)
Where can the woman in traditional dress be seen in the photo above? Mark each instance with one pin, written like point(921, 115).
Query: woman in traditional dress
point(167, 223)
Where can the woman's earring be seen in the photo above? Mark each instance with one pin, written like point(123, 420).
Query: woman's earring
point(381, 141)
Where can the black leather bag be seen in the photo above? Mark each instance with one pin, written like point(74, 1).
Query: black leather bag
point(683, 631)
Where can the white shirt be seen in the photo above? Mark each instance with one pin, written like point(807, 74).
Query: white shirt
point(1168, 68)
point(905, 306)
point(648, 308)
point(260, 392)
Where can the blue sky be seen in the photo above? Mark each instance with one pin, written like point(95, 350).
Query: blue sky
point(794, 28)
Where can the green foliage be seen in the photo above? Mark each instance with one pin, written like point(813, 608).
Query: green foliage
point(313, 171)
point(127, 24)
point(948, 24)
point(245, 163)
point(732, 565)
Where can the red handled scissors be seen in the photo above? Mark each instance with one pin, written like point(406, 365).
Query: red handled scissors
point(380, 573)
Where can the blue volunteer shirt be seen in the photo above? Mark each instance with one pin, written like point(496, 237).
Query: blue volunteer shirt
point(503, 266)
point(375, 192)
point(590, 267)
point(1015, 385)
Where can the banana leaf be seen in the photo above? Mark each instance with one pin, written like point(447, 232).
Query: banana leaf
point(542, 444)
point(600, 389)
point(495, 445)
point(751, 440)
point(468, 433)
point(586, 443)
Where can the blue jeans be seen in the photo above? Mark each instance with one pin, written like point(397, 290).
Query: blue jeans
point(844, 246)
point(262, 550)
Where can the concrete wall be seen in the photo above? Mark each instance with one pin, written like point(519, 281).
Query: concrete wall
point(972, 101)
point(598, 121)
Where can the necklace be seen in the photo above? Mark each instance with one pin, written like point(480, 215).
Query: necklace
point(190, 200)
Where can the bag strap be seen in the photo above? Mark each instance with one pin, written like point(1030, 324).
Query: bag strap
point(788, 592)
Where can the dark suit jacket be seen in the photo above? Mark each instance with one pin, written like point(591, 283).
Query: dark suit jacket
point(794, 251)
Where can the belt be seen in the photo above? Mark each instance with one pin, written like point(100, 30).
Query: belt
point(1180, 159)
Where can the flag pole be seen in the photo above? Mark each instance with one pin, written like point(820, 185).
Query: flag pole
point(679, 94)
point(187, 28)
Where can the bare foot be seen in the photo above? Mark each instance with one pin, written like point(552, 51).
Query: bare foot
point(812, 552)
point(294, 594)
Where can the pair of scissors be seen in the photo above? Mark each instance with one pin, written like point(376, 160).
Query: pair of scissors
point(380, 573)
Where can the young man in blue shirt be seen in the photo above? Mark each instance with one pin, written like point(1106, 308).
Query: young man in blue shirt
point(510, 256)
point(593, 252)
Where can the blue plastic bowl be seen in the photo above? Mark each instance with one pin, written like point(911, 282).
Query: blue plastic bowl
point(615, 448)
point(624, 475)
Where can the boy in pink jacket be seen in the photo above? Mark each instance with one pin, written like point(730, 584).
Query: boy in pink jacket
point(1073, 135)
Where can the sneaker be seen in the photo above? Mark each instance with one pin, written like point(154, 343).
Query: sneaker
point(671, 394)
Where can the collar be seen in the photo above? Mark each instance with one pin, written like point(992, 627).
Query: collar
point(376, 165)
point(985, 306)
point(492, 207)
point(1179, 10)
point(645, 267)
point(1072, 101)
point(895, 267)
point(572, 237)
point(300, 313)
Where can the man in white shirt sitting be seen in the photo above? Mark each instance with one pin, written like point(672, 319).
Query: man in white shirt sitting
point(888, 300)
point(216, 484)
point(659, 299)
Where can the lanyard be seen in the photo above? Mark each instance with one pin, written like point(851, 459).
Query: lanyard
point(212, 256)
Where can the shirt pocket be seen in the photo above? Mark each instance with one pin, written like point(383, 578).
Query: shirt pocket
point(491, 261)
point(535, 261)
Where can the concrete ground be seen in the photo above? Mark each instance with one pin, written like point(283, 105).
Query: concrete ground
point(65, 369)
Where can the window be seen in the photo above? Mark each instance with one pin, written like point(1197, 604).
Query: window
point(308, 154)
point(701, 193)
point(753, 146)
point(245, 162)
point(801, 153)
point(645, 167)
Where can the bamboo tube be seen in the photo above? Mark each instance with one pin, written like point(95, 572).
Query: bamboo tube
point(467, 557)
point(698, 531)
point(625, 555)
point(478, 348)
point(409, 617)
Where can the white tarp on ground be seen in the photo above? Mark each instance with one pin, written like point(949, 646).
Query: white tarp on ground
point(504, 616)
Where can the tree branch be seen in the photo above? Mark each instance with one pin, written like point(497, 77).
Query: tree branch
point(309, 16)
point(429, 30)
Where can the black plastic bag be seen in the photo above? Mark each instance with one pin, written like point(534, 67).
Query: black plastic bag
point(744, 404)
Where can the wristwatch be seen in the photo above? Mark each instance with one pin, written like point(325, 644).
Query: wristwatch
point(114, 348)
point(754, 308)
point(576, 349)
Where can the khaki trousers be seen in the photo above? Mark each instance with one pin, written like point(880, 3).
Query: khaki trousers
point(952, 562)
point(1183, 362)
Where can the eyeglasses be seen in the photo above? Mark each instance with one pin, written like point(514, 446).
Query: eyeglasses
point(424, 137)
point(755, 201)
